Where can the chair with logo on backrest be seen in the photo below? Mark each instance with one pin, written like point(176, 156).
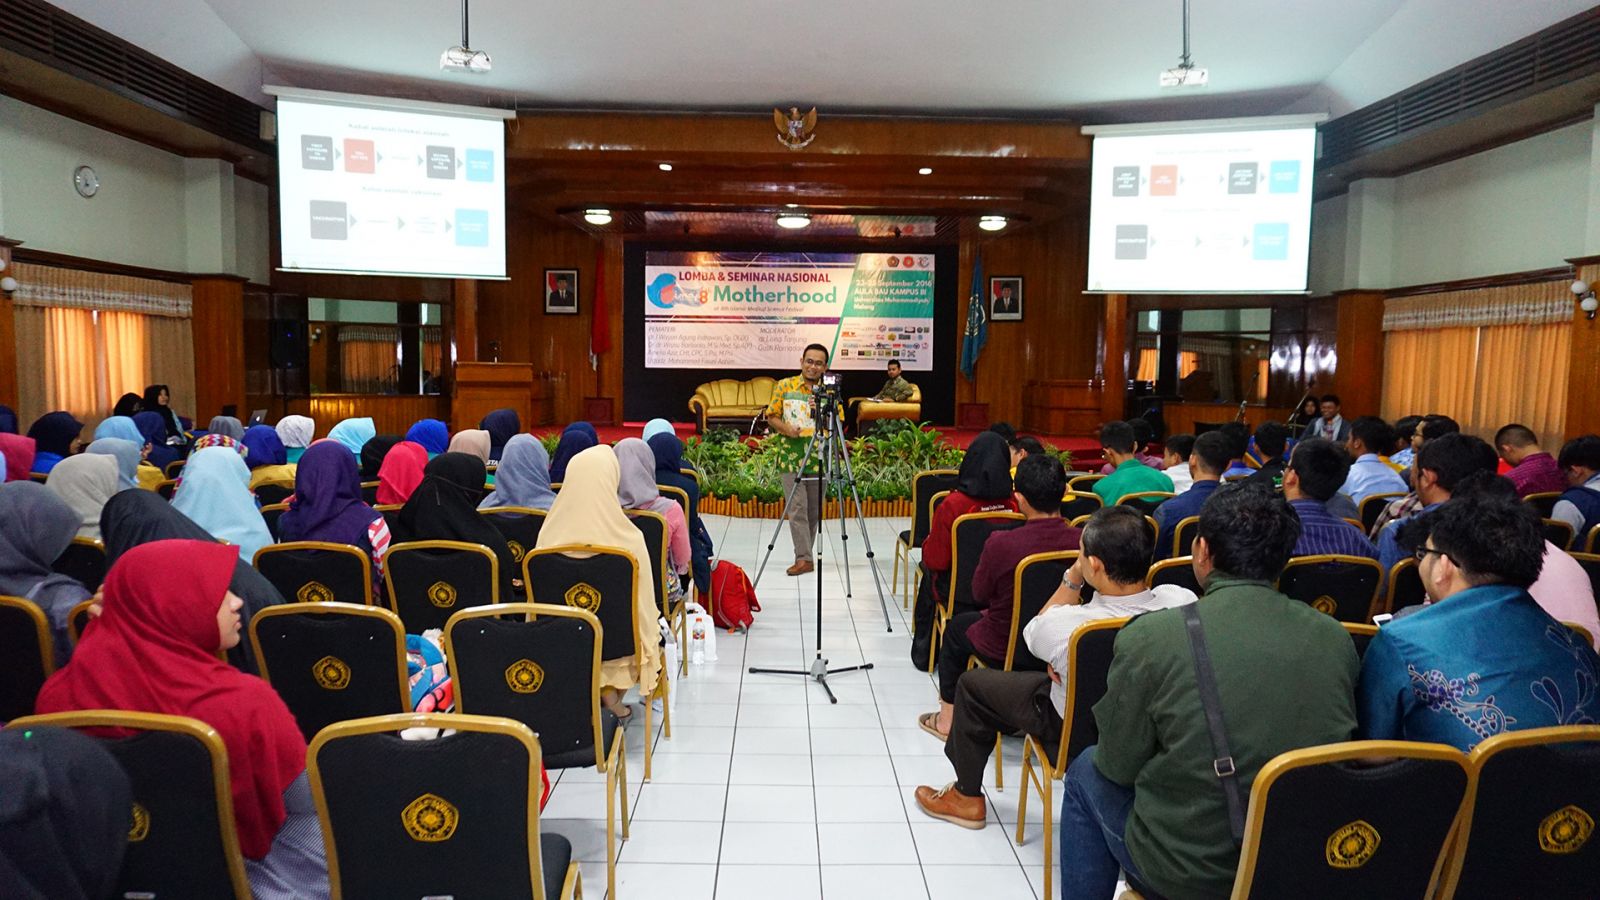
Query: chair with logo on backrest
point(428, 581)
point(1372, 506)
point(1146, 501)
point(29, 654)
point(519, 525)
point(270, 492)
point(1079, 503)
point(968, 534)
point(84, 561)
point(1178, 570)
point(539, 664)
point(1345, 587)
point(601, 582)
point(924, 485)
point(369, 492)
point(1544, 502)
point(332, 661)
point(317, 572)
point(1559, 533)
point(1183, 536)
point(271, 515)
point(455, 816)
point(654, 528)
point(1360, 635)
point(1083, 483)
point(182, 840)
point(1089, 652)
point(1534, 804)
point(1405, 587)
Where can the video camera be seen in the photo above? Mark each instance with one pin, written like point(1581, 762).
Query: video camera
point(825, 394)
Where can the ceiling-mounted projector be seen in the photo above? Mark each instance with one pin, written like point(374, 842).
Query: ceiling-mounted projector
point(464, 60)
point(1184, 76)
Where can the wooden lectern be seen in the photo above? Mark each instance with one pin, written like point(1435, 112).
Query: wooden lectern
point(483, 387)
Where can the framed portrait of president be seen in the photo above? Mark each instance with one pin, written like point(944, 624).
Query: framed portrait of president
point(1005, 298)
point(561, 292)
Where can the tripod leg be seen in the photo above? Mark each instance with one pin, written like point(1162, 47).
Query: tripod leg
point(861, 522)
point(788, 504)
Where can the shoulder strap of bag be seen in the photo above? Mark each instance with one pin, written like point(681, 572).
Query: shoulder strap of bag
point(1211, 702)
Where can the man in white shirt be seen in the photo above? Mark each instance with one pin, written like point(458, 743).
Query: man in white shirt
point(1176, 457)
point(1115, 556)
point(1370, 437)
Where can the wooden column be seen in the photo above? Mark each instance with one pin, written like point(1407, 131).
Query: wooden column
point(1358, 346)
point(8, 333)
point(464, 328)
point(218, 328)
point(1114, 358)
point(1583, 375)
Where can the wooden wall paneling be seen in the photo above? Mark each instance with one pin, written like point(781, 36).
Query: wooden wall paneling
point(1358, 380)
point(464, 324)
point(8, 332)
point(217, 325)
point(1583, 378)
point(1180, 418)
point(390, 414)
point(1114, 371)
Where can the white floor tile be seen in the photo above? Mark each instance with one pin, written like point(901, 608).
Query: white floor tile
point(771, 803)
point(764, 843)
point(866, 843)
point(680, 803)
point(791, 769)
point(672, 842)
point(938, 840)
point(875, 882)
point(847, 741)
point(860, 804)
point(637, 879)
point(963, 882)
point(853, 770)
point(767, 741)
point(768, 882)
point(588, 836)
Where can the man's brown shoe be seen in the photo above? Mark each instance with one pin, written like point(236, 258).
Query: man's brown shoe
point(800, 567)
point(951, 805)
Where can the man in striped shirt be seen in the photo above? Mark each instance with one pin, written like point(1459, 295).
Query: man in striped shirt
point(1316, 469)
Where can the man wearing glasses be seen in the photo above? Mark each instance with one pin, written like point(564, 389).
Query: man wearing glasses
point(790, 414)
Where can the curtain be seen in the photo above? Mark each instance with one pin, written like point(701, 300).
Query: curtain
point(56, 353)
point(125, 362)
point(368, 357)
point(1149, 364)
point(1522, 378)
point(432, 349)
point(1429, 372)
point(169, 360)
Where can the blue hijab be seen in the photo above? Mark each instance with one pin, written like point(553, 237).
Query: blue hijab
point(153, 431)
point(266, 448)
point(523, 478)
point(502, 425)
point(354, 433)
point(432, 434)
point(215, 493)
point(655, 427)
point(126, 453)
point(8, 420)
point(119, 427)
point(578, 437)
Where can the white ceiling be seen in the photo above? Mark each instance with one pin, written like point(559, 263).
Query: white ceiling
point(1093, 59)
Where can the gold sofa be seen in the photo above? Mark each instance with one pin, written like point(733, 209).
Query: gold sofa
point(871, 412)
point(730, 402)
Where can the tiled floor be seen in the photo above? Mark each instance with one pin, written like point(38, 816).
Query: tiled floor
point(767, 792)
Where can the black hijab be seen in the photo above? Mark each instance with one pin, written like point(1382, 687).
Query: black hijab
point(444, 507)
point(131, 518)
point(63, 815)
point(127, 405)
point(54, 433)
point(668, 449)
point(373, 452)
point(8, 420)
point(152, 403)
point(502, 425)
point(986, 469)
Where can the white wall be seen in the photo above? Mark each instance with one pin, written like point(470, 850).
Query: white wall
point(154, 209)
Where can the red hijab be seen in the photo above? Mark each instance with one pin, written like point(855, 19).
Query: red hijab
point(401, 472)
point(19, 452)
point(153, 650)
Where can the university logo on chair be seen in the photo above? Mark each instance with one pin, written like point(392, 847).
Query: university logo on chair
point(1351, 846)
point(314, 592)
point(442, 594)
point(1325, 605)
point(1565, 831)
point(583, 596)
point(139, 827)
point(430, 819)
point(331, 673)
point(524, 676)
point(517, 550)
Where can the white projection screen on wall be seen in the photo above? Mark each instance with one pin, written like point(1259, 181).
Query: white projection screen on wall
point(1221, 206)
point(377, 186)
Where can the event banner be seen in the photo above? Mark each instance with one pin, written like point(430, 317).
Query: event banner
point(753, 310)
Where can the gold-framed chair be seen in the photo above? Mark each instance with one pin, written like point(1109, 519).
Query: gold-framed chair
point(427, 581)
point(1591, 567)
point(539, 664)
point(167, 488)
point(29, 652)
point(1405, 587)
point(1155, 529)
point(1079, 503)
point(78, 620)
point(1080, 521)
point(317, 572)
point(1178, 570)
point(1530, 817)
point(1183, 535)
point(390, 513)
point(182, 837)
point(457, 815)
point(1591, 541)
point(369, 492)
point(173, 469)
point(1360, 635)
point(277, 491)
point(679, 494)
point(332, 662)
point(914, 581)
point(924, 485)
point(1557, 532)
point(1083, 482)
point(1372, 506)
point(653, 526)
point(271, 514)
point(84, 561)
point(977, 528)
point(1089, 652)
point(1345, 587)
point(601, 581)
point(519, 525)
point(1145, 501)
point(1581, 632)
point(1544, 502)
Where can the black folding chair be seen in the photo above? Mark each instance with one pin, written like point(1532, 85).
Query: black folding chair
point(1079, 503)
point(272, 514)
point(369, 492)
point(1345, 587)
point(270, 492)
point(29, 654)
point(84, 561)
point(1405, 587)
point(1360, 635)
point(1372, 506)
point(1179, 571)
point(455, 816)
point(654, 528)
point(968, 534)
point(519, 525)
point(1544, 502)
point(317, 572)
point(1146, 501)
point(1558, 532)
point(924, 485)
point(1591, 567)
point(331, 662)
point(1184, 534)
point(391, 514)
point(428, 581)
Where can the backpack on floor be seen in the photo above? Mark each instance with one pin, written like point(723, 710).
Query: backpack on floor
point(733, 597)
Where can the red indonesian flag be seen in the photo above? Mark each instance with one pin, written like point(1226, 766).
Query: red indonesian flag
point(599, 323)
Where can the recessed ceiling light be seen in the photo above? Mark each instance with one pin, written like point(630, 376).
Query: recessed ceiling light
point(924, 171)
point(793, 220)
point(991, 223)
point(792, 205)
point(597, 216)
point(665, 167)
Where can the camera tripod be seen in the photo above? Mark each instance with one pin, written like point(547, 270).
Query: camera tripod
point(835, 473)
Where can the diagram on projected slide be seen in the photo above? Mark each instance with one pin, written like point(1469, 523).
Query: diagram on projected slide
point(386, 190)
point(1175, 210)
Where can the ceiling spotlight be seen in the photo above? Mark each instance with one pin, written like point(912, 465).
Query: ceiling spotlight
point(462, 59)
point(793, 220)
point(991, 223)
point(597, 216)
point(665, 167)
point(924, 171)
point(792, 205)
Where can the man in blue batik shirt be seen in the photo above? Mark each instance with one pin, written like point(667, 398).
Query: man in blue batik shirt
point(1482, 659)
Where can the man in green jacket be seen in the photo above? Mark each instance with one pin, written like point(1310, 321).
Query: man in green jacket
point(1147, 799)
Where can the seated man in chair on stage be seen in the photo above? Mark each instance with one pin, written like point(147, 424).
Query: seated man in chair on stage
point(1114, 556)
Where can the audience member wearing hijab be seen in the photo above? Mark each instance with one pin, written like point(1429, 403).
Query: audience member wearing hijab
point(267, 458)
point(157, 399)
point(8, 420)
point(472, 440)
point(132, 518)
point(54, 435)
point(502, 425)
point(444, 507)
point(637, 489)
point(575, 438)
point(153, 649)
point(118, 427)
point(523, 479)
point(86, 482)
point(128, 457)
point(327, 505)
point(215, 493)
point(401, 472)
point(122, 428)
point(586, 512)
point(353, 433)
point(296, 433)
point(655, 427)
point(226, 425)
point(152, 427)
point(372, 454)
point(219, 440)
point(668, 450)
point(63, 815)
point(36, 526)
point(127, 405)
point(18, 452)
point(432, 434)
